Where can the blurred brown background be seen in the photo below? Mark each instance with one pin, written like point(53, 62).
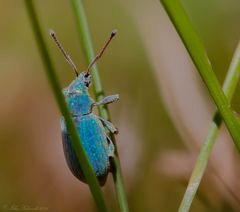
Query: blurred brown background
point(163, 114)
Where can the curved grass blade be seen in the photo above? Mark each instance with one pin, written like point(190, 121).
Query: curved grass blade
point(51, 74)
point(229, 87)
point(199, 57)
point(85, 37)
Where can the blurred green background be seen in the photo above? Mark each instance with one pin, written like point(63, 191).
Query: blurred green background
point(163, 113)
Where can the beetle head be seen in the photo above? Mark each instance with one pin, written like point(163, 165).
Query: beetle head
point(86, 78)
point(81, 83)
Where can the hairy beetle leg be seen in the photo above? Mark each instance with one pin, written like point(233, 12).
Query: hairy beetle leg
point(111, 147)
point(108, 125)
point(107, 100)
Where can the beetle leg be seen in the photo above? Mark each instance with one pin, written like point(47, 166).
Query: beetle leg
point(107, 100)
point(62, 124)
point(111, 147)
point(108, 125)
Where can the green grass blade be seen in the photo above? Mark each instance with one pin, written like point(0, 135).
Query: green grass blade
point(51, 74)
point(229, 87)
point(85, 37)
point(199, 57)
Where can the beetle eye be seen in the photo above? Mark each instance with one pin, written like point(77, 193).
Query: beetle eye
point(86, 75)
point(87, 84)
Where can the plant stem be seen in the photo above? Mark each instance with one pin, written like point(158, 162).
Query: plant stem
point(85, 37)
point(199, 57)
point(51, 74)
point(229, 87)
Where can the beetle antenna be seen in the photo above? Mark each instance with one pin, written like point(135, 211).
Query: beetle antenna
point(66, 56)
point(113, 33)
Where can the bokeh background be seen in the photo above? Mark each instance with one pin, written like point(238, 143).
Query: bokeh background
point(163, 114)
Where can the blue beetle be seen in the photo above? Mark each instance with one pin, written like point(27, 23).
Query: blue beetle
point(91, 128)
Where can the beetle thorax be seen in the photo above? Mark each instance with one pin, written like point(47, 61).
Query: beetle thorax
point(80, 104)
